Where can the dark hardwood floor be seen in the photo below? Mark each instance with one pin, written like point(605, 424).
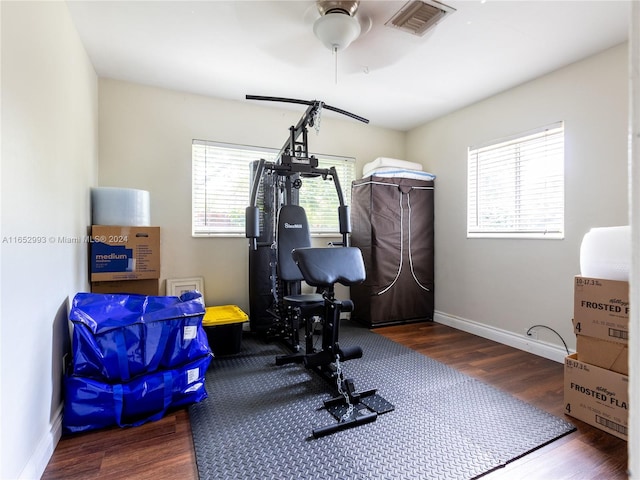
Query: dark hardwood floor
point(164, 449)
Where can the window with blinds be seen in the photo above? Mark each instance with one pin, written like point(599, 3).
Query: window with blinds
point(221, 175)
point(319, 197)
point(516, 186)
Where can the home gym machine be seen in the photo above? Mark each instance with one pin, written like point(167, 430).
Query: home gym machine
point(281, 257)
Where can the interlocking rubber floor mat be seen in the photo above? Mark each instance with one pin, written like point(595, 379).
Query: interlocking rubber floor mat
point(257, 421)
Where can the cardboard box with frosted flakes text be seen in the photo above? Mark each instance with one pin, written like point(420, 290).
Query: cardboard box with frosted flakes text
point(597, 396)
point(601, 309)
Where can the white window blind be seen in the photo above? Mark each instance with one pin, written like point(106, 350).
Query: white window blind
point(220, 185)
point(516, 186)
point(220, 188)
point(319, 197)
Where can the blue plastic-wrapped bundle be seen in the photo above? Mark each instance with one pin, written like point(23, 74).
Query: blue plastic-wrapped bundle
point(119, 337)
point(92, 404)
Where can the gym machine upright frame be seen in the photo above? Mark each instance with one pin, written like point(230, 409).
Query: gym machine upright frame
point(350, 408)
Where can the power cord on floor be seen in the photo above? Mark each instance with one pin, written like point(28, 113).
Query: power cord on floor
point(549, 328)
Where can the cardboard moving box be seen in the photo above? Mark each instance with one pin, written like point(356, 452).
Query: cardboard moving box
point(138, 287)
point(603, 353)
point(124, 253)
point(601, 309)
point(596, 396)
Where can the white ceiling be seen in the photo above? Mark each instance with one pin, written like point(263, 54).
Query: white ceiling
point(229, 49)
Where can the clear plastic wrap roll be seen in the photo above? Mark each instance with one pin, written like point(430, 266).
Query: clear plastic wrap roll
point(605, 252)
point(120, 206)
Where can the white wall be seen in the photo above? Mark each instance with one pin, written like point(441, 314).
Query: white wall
point(634, 202)
point(500, 287)
point(145, 143)
point(49, 162)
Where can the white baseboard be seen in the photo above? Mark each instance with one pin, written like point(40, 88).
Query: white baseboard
point(43, 452)
point(521, 342)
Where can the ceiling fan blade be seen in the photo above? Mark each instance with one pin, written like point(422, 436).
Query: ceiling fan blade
point(291, 41)
point(380, 48)
point(310, 15)
point(257, 16)
point(365, 22)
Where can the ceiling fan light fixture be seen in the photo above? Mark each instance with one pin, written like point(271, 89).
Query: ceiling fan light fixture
point(336, 30)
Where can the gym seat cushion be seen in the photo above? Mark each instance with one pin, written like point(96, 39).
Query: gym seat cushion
point(323, 267)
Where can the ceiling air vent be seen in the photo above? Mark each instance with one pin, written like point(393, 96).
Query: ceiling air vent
point(418, 16)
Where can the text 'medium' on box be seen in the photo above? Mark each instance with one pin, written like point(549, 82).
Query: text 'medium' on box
point(601, 309)
point(597, 396)
point(124, 253)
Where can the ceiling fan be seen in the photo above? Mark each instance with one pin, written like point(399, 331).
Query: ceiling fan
point(343, 22)
point(340, 23)
point(369, 35)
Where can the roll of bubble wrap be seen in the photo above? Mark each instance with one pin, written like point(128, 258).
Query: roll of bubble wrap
point(605, 252)
point(120, 206)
